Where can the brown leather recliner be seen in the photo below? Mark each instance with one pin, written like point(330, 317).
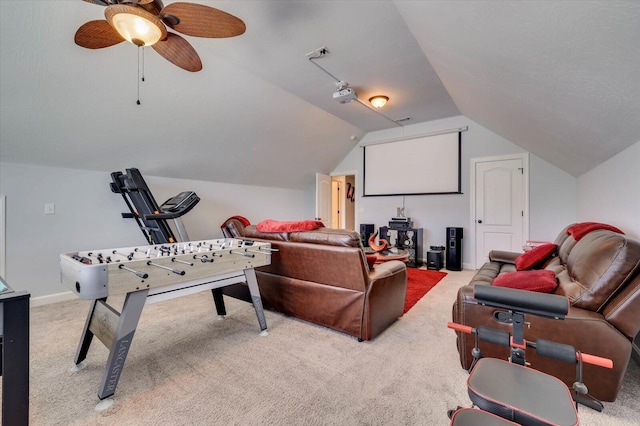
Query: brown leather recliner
point(322, 276)
point(600, 274)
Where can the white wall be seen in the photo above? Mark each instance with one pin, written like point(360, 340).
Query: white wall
point(87, 216)
point(553, 197)
point(610, 192)
point(552, 191)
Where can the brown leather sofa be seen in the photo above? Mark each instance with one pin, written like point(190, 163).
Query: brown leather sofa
point(322, 276)
point(600, 274)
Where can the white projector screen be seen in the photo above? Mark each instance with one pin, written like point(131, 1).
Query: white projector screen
point(417, 166)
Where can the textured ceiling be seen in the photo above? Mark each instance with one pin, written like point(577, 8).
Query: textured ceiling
point(559, 79)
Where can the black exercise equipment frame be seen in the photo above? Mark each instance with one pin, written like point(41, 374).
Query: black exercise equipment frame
point(151, 217)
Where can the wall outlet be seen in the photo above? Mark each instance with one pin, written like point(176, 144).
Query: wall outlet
point(49, 208)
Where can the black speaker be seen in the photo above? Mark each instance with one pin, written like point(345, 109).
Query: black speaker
point(366, 229)
point(454, 249)
point(435, 260)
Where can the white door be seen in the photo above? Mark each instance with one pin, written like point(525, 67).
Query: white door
point(336, 220)
point(500, 205)
point(323, 198)
point(3, 236)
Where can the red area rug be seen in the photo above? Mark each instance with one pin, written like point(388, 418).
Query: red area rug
point(419, 282)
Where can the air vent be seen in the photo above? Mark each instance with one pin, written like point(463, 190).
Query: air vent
point(400, 120)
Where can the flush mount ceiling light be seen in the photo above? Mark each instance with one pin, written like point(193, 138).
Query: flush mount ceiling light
point(135, 24)
point(378, 101)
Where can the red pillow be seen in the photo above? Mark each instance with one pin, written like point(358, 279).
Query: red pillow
point(371, 260)
point(271, 225)
point(535, 256)
point(541, 280)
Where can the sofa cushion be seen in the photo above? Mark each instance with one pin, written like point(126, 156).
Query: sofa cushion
point(270, 225)
point(540, 280)
point(252, 232)
point(535, 256)
point(597, 267)
point(328, 236)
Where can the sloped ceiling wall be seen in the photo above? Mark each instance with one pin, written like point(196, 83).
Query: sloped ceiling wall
point(557, 78)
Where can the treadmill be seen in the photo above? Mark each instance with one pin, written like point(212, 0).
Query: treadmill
point(152, 218)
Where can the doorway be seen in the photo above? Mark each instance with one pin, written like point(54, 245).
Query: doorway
point(343, 212)
point(499, 204)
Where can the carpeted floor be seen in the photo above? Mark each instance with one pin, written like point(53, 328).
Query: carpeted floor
point(185, 367)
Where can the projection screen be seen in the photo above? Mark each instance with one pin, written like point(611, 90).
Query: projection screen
point(417, 166)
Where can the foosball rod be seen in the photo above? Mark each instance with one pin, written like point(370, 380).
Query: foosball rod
point(127, 256)
point(261, 250)
point(267, 249)
point(173, 259)
point(244, 253)
point(204, 258)
point(175, 271)
point(140, 274)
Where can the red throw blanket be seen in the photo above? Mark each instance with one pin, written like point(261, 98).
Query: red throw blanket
point(271, 225)
point(579, 230)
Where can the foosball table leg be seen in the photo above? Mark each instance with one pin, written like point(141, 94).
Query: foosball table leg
point(252, 283)
point(87, 334)
point(121, 339)
point(219, 301)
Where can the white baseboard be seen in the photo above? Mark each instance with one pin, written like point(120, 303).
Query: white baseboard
point(52, 298)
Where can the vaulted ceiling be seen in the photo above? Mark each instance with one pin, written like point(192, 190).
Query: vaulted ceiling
point(558, 78)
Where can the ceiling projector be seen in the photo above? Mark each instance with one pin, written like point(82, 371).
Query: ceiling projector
point(344, 94)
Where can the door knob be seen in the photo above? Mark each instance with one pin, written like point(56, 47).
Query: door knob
point(479, 220)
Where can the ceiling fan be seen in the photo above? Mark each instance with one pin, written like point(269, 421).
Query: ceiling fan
point(145, 22)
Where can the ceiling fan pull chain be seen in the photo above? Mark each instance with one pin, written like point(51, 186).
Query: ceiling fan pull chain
point(138, 79)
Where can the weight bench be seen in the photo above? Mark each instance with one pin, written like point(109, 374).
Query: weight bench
point(507, 391)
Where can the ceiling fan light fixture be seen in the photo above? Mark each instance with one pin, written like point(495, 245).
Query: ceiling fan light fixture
point(135, 24)
point(379, 101)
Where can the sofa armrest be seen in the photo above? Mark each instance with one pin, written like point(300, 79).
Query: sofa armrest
point(503, 256)
point(385, 297)
point(386, 269)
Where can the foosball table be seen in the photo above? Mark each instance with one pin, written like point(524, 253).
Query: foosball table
point(149, 274)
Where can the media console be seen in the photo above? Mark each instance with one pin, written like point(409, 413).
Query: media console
point(409, 239)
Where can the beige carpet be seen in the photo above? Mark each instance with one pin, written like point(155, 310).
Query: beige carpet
point(187, 368)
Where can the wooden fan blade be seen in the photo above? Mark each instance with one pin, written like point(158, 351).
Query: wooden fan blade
point(203, 21)
point(96, 35)
point(98, 2)
point(178, 51)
